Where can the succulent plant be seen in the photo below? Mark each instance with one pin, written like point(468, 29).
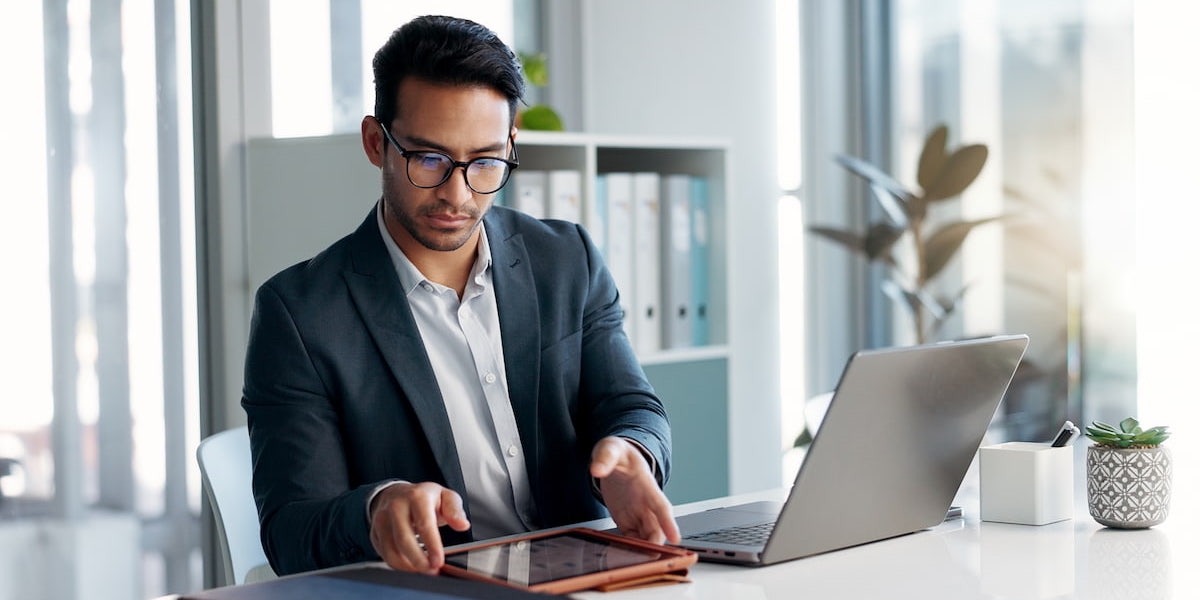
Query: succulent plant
point(1129, 435)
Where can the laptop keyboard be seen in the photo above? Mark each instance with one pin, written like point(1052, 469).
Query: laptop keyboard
point(750, 535)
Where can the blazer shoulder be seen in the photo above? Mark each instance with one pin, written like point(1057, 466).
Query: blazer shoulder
point(322, 274)
point(328, 263)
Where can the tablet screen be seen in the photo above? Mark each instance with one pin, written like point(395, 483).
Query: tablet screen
point(530, 562)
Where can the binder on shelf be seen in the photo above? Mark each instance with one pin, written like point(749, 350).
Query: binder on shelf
point(529, 192)
point(647, 285)
point(618, 200)
point(676, 245)
point(701, 239)
point(595, 217)
point(565, 197)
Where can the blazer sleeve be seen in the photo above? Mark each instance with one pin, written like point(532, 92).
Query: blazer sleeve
point(618, 398)
point(310, 517)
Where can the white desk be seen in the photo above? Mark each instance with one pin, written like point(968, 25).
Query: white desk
point(964, 559)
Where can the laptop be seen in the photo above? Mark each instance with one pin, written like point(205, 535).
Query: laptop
point(897, 439)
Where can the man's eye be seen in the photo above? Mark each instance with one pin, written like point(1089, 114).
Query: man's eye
point(430, 161)
point(487, 164)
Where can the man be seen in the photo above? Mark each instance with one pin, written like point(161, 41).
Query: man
point(449, 371)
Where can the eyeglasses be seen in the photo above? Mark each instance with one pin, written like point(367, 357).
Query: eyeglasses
point(430, 169)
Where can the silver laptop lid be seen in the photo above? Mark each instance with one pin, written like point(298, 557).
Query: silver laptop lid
point(898, 437)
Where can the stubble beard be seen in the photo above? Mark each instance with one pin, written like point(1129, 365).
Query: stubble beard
point(436, 240)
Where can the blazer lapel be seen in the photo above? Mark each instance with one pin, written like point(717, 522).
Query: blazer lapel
point(375, 290)
point(520, 330)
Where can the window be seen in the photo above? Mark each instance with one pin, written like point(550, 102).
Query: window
point(1048, 87)
point(791, 220)
point(99, 414)
point(314, 36)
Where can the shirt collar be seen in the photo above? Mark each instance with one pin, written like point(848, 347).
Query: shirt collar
point(410, 276)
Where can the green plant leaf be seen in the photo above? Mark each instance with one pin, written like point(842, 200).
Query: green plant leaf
point(535, 68)
point(849, 239)
point(901, 296)
point(803, 439)
point(540, 117)
point(895, 208)
point(1130, 434)
point(947, 305)
point(943, 244)
point(933, 157)
point(915, 300)
point(931, 304)
point(960, 169)
point(950, 303)
point(875, 176)
point(880, 239)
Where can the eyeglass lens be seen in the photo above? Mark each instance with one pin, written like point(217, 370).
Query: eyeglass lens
point(431, 169)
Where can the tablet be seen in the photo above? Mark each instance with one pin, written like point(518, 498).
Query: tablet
point(567, 560)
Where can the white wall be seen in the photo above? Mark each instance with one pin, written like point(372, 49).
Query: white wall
point(676, 67)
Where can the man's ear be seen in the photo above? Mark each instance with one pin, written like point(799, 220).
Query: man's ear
point(372, 140)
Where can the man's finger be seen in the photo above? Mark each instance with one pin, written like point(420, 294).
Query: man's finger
point(386, 547)
point(666, 520)
point(605, 456)
point(451, 512)
point(409, 530)
point(393, 539)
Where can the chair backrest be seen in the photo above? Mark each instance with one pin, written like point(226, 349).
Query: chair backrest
point(225, 467)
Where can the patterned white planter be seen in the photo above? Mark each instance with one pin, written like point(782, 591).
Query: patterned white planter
point(1128, 488)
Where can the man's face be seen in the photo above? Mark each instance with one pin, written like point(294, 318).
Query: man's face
point(462, 122)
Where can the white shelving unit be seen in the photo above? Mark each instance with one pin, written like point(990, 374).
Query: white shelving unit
point(595, 155)
point(694, 383)
point(305, 193)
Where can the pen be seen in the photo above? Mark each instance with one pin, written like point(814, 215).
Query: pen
point(1065, 435)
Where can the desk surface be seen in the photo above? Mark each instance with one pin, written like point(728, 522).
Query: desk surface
point(966, 559)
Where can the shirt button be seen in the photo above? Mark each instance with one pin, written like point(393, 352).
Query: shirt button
point(490, 378)
point(426, 286)
point(512, 450)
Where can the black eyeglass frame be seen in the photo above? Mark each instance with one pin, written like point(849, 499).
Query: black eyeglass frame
point(512, 163)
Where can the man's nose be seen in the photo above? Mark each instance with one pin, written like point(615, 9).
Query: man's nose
point(455, 188)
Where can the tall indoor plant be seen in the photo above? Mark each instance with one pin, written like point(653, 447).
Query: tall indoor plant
point(942, 175)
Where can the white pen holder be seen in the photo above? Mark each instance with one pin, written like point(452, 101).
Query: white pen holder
point(1027, 483)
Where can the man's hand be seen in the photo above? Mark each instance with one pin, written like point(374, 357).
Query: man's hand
point(632, 496)
point(404, 524)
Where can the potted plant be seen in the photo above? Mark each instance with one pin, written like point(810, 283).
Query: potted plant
point(915, 245)
point(1128, 474)
point(539, 117)
point(942, 175)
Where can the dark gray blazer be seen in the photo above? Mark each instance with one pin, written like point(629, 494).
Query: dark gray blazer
point(340, 395)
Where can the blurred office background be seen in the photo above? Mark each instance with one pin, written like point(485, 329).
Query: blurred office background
point(119, 351)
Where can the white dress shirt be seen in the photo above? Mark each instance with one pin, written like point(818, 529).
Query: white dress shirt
point(462, 339)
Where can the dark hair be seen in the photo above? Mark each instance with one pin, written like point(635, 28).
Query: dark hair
point(445, 50)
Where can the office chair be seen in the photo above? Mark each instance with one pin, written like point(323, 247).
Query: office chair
point(225, 471)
